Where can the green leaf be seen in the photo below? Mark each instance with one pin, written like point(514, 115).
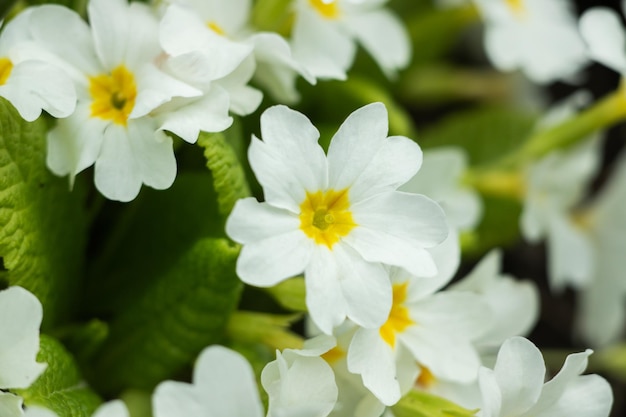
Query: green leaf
point(61, 387)
point(423, 404)
point(42, 223)
point(229, 179)
point(163, 331)
point(486, 133)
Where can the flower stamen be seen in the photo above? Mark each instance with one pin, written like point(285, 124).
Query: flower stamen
point(113, 95)
point(325, 216)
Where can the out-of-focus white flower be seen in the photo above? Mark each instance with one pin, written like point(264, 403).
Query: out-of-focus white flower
point(112, 63)
point(603, 32)
point(223, 385)
point(325, 31)
point(30, 84)
point(515, 387)
point(440, 179)
point(601, 315)
point(20, 317)
point(438, 329)
point(555, 185)
point(338, 218)
point(539, 37)
point(299, 382)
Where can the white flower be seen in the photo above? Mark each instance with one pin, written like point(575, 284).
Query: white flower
point(438, 329)
point(223, 385)
point(537, 36)
point(515, 387)
point(440, 179)
point(299, 382)
point(20, 317)
point(118, 85)
point(555, 185)
point(30, 84)
point(338, 218)
point(325, 31)
point(601, 316)
point(603, 32)
point(115, 408)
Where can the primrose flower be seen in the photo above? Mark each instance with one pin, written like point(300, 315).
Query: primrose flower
point(438, 329)
point(299, 382)
point(30, 84)
point(337, 218)
point(20, 317)
point(515, 387)
point(112, 64)
point(223, 385)
point(539, 37)
point(325, 31)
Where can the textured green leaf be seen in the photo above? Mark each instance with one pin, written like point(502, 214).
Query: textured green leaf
point(423, 404)
point(486, 133)
point(60, 388)
point(163, 331)
point(42, 224)
point(229, 179)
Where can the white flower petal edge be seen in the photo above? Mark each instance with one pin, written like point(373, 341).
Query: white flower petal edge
point(299, 382)
point(223, 385)
point(516, 385)
point(10, 405)
point(20, 317)
point(602, 29)
point(115, 408)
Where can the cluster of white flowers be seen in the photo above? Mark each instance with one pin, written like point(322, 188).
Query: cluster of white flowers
point(373, 224)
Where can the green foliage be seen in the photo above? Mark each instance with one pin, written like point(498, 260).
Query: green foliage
point(42, 223)
point(60, 388)
point(162, 332)
point(423, 404)
point(486, 133)
point(229, 179)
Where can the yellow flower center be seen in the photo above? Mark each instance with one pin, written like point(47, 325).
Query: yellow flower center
point(399, 318)
point(517, 7)
point(325, 216)
point(216, 28)
point(426, 379)
point(334, 355)
point(6, 66)
point(327, 8)
point(113, 95)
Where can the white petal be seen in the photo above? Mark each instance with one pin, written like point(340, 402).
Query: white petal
point(10, 405)
point(251, 221)
point(36, 85)
point(382, 35)
point(231, 16)
point(115, 408)
point(374, 360)
point(34, 411)
point(575, 364)
point(266, 262)
point(321, 47)
point(324, 299)
point(289, 161)
point(117, 174)
point(490, 392)
point(74, 143)
point(570, 254)
point(299, 386)
point(227, 383)
point(520, 372)
point(602, 30)
point(20, 318)
point(187, 117)
point(587, 396)
point(243, 98)
point(171, 398)
point(142, 45)
point(154, 153)
point(111, 29)
point(498, 41)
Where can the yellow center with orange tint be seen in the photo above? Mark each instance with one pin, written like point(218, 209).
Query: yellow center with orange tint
point(399, 318)
point(426, 379)
point(327, 8)
point(325, 216)
point(113, 95)
point(334, 355)
point(6, 66)
point(517, 7)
